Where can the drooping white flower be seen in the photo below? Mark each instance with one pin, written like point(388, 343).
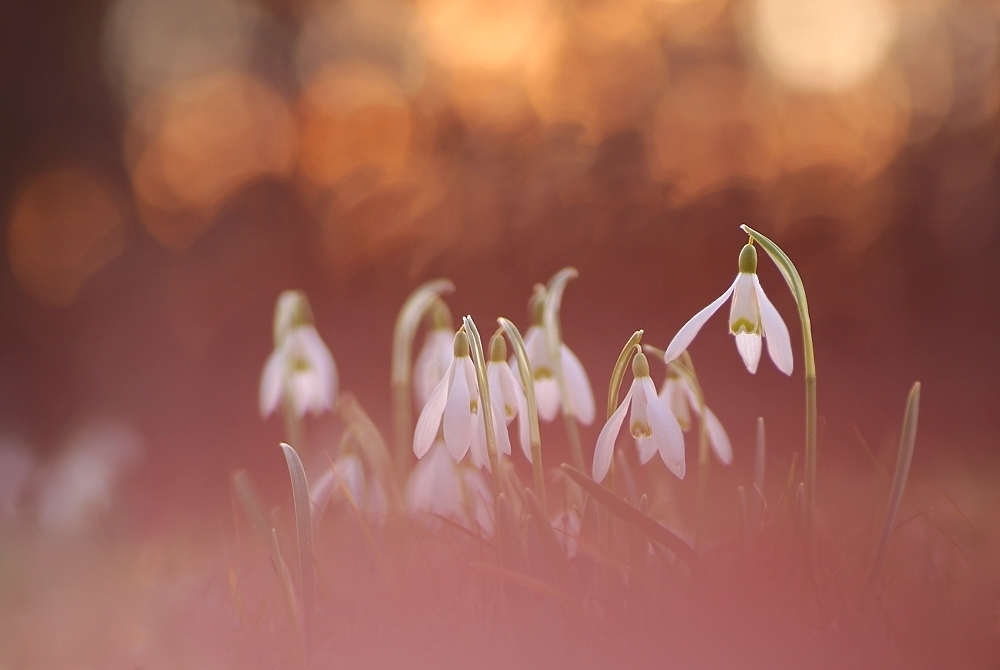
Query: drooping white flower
point(566, 524)
point(751, 317)
point(678, 395)
point(547, 395)
point(300, 370)
point(453, 404)
point(652, 424)
point(507, 398)
point(439, 486)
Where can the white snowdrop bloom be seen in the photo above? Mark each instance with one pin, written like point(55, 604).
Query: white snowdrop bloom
point(751, 317)
point(434, 485)
point(507, 398)
point(79, 487)
point(301, 369)
point(327, 486)
point(652, 424)
point(678, 395)
point(432, 362)
point(547, 395)
point(453, 405)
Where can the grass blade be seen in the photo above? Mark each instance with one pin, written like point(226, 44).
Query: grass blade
point(304, 539)
point(906, 444)
point(652, 529)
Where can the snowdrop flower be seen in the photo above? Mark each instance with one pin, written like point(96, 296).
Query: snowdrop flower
point(547, 394)
point(301, 369)
point(436, 354)
point(652, 424)
point(678, 395)
point(453, 405)
point(508, 401)
point(751, 317)
point(566, 524)
point(439, 486)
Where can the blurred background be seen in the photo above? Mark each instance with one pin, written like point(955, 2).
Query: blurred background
point(167, 167)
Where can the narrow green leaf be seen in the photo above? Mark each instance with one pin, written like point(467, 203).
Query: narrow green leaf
point(652, 529)
point(304, 539)
point(906, 444)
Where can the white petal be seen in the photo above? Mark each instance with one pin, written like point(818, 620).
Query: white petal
point(510, 383)
point(779, 345)
point(321, 488)
point(744, 315)
point(458, 417)
point(606, 440)
point(673, 396)
point(537, 349)
point(502, 389)
point(271, 382)
point(688, 331)
point(666, 431)
point(578, 386)
point(748, 344)
point(646, 447)
point(718, 438)
point(432, 363)
point(317, 353)
point(547, 398)
point(500, 429)
point(430, 415)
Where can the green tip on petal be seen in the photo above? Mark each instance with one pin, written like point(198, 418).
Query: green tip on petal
point(461, 344)
point(498, 349)
point(640, 366)
point(748, 259)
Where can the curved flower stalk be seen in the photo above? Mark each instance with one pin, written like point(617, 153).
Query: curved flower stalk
point(752, 317)
point(795, 285)
point(654, 427)
point(435, 354)
point(300, 373)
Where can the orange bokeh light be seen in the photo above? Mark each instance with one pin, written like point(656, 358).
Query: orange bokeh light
point(200, 141)
point(65, 225)
point(353, 116)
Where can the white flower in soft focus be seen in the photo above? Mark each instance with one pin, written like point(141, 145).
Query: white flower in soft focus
point(751, 317)
point(678, 395)
point(79, 487)
point(652, 424)
point(547, 395)
point(432, 362)
point(567, 528)
point(327, 486)
point(454, 403)
point(301, 371)
point(439, 486)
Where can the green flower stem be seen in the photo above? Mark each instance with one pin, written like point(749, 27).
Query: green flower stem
point(794, 282)
point(476, 349)
point(687, 370)
point(553, 336)
point(614, 387)
point(528, 383)
point(295, 430)
point(407, 322)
